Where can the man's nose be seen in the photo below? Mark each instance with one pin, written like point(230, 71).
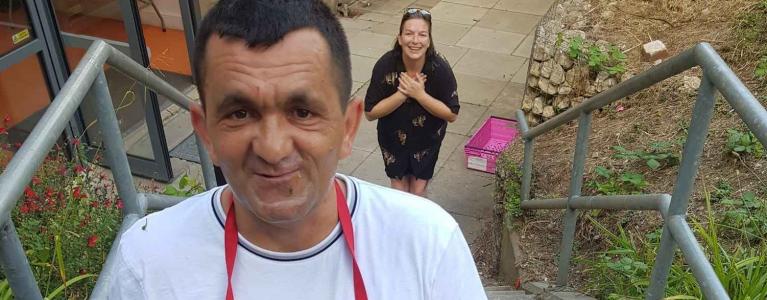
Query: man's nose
point(274, 143)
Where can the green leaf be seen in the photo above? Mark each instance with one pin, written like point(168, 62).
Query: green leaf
point(740, 148)
point(602, 171)
point(184, 182)
point(653, 164)
point(170, 190)
point(72, 281)
point(60, 257)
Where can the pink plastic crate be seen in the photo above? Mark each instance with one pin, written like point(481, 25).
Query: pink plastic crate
point(483, 148)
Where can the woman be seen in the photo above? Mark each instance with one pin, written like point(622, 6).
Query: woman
point(413, 95)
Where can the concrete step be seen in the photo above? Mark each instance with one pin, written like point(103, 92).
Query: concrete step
point(506, 293)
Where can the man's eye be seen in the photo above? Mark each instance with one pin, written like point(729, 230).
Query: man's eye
point(239, 115)
point(302, 113)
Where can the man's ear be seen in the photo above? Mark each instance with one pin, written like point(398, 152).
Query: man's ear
point(201, 129)
point(351, 124)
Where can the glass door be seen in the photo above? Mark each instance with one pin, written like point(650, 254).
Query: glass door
point(26, 88)
point(78, 23)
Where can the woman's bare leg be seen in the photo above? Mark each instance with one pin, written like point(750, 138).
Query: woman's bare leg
point(401, 184)
point(418, 186)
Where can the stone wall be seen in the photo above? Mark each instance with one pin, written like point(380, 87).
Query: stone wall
point(556, 81)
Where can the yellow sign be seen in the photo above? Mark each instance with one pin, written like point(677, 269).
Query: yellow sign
point(20, 36)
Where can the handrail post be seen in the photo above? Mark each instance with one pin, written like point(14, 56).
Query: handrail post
point(685, 181)
point(208, 175)
point(576, 183)
point(15, 264)
point(527, 164)
point(113, 142)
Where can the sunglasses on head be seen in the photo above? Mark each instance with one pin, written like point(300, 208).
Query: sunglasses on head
point(417, 11)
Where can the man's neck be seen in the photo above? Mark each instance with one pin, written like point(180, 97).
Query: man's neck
point(288, 237)
point(413, 67)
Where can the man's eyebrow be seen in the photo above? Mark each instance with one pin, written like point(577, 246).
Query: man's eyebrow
point(232, 100)
point(302, 99)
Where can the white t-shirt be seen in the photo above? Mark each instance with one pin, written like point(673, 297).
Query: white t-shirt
point(407, 248)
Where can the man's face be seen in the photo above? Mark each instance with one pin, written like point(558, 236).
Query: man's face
point(273, 122)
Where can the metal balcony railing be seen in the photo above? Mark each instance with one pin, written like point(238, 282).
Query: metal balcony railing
point(717, 76)
point(87, 77)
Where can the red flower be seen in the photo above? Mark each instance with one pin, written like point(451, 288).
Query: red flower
point(120, 204)
point(17, 145)
point(29, 193)
point(76, 142)
point(79, 169)
point(36, 180)
point(78, 194)
point(6, 120)
point(3, 130)
point(92, 241)
point(24, 209)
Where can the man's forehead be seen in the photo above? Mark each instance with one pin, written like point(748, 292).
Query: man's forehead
point(296, 44)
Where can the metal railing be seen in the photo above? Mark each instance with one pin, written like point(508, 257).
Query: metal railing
point(88, 77)
point(717, 76)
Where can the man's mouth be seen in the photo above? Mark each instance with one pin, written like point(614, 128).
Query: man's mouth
point(278, 176)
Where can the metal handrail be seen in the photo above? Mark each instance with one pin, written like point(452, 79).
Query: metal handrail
point(717, 76)
point(88, 77)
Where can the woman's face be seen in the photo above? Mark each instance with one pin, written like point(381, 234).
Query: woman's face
point(414, 38)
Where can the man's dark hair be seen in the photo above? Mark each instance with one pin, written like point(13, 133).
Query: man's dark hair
point(263, 23)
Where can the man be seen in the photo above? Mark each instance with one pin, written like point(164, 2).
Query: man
point(274, 79)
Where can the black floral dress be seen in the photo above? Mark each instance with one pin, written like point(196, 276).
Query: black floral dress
point(410, 137)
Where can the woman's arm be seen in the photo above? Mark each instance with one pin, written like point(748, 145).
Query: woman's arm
point(386, 106)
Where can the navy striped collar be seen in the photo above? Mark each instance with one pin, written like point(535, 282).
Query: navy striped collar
point(352, 199)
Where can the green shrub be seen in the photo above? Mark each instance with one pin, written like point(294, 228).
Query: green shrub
point(187, 187)
point(741, 143)
point(659, 156)
point(607, 182)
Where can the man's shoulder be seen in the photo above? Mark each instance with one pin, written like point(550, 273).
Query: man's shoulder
point(404, 208)
point(171, 223)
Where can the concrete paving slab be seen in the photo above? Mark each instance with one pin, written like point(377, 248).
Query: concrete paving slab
point(393, 18)
point(362, 67)
point(491, 40)
point(388, 29)
point(452, 142)
point(505, 105)
point(509, 21)
point(367, 136)
point(535, 7)
point(428, 4)
point(478, 3)
point(489, 65)
point(462, 191)
point(448, 33)
point(370, 44)
point(526, 47)
point(521, 75)
point(348, 165)
point(477, 90)
point(470, 226)
point(352, 25)
point(467, 117)
point(453, 54)
point(372, 170)
point(457, 13)
point(360, 93)
point(388, 6)
point(356, 85)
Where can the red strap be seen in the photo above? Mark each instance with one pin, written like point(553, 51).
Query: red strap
point(344, 217)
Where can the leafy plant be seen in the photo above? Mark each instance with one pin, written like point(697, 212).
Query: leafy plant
point(612, 61)
point(761, 69)
point(747, 215)
point(722, 191)
point(609, 183)
point(575, 48)
point(66, 220)
point(187, 186)
point(740, 143)
point(659, 155)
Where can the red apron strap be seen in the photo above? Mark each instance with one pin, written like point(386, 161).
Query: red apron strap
point(344, 217)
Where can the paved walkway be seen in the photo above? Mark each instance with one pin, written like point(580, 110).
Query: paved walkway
point(487, 42)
